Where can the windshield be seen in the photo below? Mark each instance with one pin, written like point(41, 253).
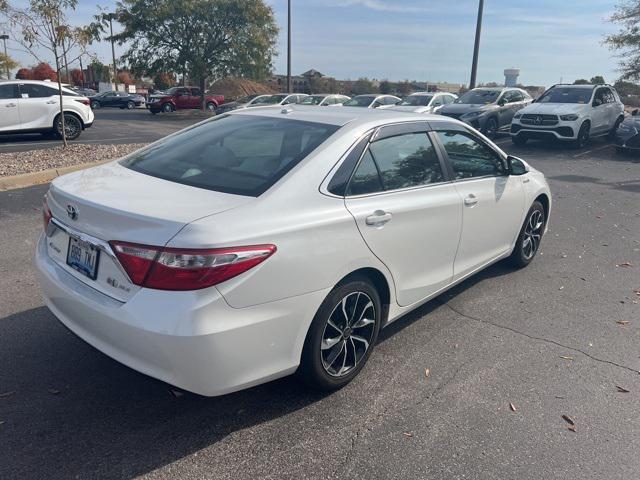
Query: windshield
point(359, 101)
point(238, 154)
point(313, 100)
point(270, 100)
point(416, 101)
point(566, 95)
point(479, 97)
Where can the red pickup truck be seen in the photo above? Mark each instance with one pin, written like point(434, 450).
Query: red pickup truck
point(181, 98)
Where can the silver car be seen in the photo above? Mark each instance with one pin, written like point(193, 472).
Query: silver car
point(425, 102)
point(325, 100)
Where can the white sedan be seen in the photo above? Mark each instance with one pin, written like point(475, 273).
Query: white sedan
point(271, 241)
point(373, 101)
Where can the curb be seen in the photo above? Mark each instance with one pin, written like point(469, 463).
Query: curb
point(44, 176)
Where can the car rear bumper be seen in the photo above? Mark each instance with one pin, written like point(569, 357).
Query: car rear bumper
point(193, 340)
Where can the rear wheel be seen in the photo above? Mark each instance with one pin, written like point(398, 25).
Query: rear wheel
point(342, 335)
point(530, 236)
point(211, 107)
point(490, 128)
point(167, 107)
point(72, 126)
point(612, 132)
point(584, 134)
point(519, 140)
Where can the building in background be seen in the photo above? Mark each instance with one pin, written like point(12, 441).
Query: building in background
point(511, 77)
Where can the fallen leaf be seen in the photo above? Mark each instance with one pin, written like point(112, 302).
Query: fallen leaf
point(624, 264)
point(572, 428)
point(622, 389)
point(512, 407)
point(623, 322)
point(407, 434)
point(566, 357)
point(426, 372)
point(7, 394)
point(568, 419)
point(54, 391)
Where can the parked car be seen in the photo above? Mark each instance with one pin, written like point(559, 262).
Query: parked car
point(182, 98)
point(372, 101)
point(116, 99)
point(34, 106)
point(573, 113)
point(279, 99)
point(425, 102)
point(84, 92)
point(325, 100)
point(489, 110)
point(627, 137)
point(242, 102)
point(257, 244)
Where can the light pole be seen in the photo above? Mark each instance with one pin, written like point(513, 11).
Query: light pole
point(476, 47)
point(4, 38)
point(110, 17)
point(289, 46)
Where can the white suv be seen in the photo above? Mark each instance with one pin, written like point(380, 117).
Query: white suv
point(33, 106)
point(573, 113)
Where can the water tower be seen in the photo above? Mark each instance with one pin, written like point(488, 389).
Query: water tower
point(511, 77)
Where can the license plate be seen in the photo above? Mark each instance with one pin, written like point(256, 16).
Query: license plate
point(83, 257)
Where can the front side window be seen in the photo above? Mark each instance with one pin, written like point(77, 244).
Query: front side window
point(237, 154)
point(469, 157)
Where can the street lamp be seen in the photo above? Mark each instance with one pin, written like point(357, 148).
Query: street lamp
point(110, 17)
point(4, 38)
point(289, 46)
point(476, 47)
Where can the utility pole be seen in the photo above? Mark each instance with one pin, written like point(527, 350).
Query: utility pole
point(4, 38)
point(476, 47)
point(81, 71)
point(110, 17)
point(289, 46)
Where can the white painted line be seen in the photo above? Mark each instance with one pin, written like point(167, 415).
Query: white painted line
point(72, 142)
point(591, 151)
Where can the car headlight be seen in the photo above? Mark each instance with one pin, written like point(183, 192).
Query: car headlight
point(569, 118)
point(472, 114)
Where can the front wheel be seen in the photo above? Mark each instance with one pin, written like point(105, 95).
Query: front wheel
point(342, 335)
point(530, 236)
point(584, 134)
point(95, 105)
point(72, 126)
point(167, 107)
point(131, 105)
point(211, 107)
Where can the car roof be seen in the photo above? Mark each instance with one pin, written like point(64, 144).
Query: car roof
point(589, 85)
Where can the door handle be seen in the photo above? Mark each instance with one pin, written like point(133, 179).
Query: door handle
point(52, 102)
point(378, 219)
point(471, 200)
point(9, 105)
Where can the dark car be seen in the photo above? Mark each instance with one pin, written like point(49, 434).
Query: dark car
point(116, 99)
point(627, 137)
point(242, 102)
point(182, 98)
point(488, 109)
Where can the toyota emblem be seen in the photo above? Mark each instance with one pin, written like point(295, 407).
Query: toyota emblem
point(72, 212)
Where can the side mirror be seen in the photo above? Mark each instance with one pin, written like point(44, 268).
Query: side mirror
point(502, 102)
point(516, 166)
point(635, 113)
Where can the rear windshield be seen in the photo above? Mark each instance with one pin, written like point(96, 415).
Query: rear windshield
point(238, 154)
point(416, 101)
point(359, 101)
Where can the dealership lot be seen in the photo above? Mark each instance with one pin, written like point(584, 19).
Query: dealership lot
point(557, 338)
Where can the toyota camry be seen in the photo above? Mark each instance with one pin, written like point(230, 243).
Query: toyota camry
point(267, 242)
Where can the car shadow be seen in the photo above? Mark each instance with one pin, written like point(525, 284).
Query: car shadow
point(69, 411)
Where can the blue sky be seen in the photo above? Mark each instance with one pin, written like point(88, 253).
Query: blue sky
point(433, 39)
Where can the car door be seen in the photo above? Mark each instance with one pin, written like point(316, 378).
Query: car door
point(408, 213)
point(492, 201)
point(9, 109)
point(39, 104)
point(511, 100)
point(613, 111)
point(599, 112)
point(110, 99)
point(195, 98)
point(183, 98)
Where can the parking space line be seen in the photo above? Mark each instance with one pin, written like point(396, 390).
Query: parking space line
point(59, 142)
point(591, 151)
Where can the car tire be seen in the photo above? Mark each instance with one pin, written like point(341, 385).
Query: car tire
point(530, 236)
point(612, 132)
point(167, 108)
point(519, 140)
point(95, 106)
point(211, 107)
point(619, 150)
point(584, 135)
point(490, 129)
point(131, 105)
point(342, 335)
point(72, 126)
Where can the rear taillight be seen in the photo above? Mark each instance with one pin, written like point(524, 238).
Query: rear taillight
point(187, 269)
point(46, 214)
point(84, 101)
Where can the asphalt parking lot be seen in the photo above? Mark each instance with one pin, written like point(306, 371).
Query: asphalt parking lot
point(111, 126)
point(558, 338)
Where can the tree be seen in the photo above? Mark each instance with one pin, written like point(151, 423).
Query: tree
point(385, 87)
point(627, 40)
point(77, 76)
point(597, 80)
point(198, 38)
point(582, 81)
point(163, 80)
point(7, 63)
point(404, 88)
point(363, 86)
point(626, 89)
point(24, 74)
point(42, 26)
point(43, 71)
point(125, 77)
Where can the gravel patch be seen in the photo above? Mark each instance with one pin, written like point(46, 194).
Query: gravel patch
point(57, 157)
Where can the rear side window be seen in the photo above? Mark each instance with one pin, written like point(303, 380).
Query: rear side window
point(366, 178)
point(7, 91)
point(34, 90)
point(238, 154)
